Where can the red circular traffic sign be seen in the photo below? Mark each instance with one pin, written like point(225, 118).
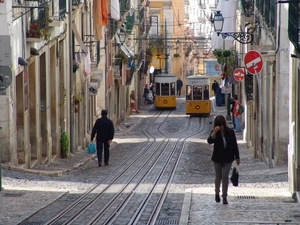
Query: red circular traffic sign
point(253, 62)
point(239, 74)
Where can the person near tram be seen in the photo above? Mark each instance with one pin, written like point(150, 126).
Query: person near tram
point(145, 94)
point(236, 114)
point(179, 85)
point(104, 129)
point(133, 103)
point(225, 151)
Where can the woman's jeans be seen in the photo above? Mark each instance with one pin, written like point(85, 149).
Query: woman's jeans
point(222, 174)
point(237, 121)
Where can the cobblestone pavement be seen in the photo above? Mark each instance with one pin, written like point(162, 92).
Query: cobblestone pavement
point(262, 196)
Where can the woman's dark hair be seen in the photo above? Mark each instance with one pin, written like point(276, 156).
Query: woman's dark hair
point(220, 121)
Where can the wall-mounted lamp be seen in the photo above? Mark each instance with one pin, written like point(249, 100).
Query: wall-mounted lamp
point(241, 37)
point(122, 36)
point(22, 62)
point(34, 51)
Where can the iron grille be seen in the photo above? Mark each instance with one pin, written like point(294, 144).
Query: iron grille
point(249, 87)
point(293, 25)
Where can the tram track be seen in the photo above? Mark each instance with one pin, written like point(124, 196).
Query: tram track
point(147, 158)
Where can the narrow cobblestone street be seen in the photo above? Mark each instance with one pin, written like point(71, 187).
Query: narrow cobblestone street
point(262, 196)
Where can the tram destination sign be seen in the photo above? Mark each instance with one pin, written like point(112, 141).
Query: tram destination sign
point(5, 53)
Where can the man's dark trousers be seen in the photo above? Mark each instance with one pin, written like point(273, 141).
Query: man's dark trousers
point(106, 151)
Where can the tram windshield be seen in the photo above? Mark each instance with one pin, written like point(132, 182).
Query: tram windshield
point(165, 89)
point(197, 92)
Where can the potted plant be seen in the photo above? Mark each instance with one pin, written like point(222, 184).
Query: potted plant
point(176, 55)
point(64, 144)
point(77, 98)
point(75, 66)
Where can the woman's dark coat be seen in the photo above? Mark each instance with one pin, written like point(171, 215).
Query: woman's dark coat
point(221, 154)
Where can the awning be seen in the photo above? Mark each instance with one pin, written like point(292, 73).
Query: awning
point(228, 10)
point(78, 38)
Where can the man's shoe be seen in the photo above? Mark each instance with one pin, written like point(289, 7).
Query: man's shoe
point(225, 202)
point(217, 198)
point(106, 164)
point(99, 164)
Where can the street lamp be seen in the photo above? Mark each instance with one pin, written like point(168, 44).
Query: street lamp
point(241, 37)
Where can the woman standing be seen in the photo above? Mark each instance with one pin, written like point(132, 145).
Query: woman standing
point(224, 153)
point(133, 103)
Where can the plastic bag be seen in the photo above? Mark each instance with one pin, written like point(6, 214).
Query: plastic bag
point(91, 148)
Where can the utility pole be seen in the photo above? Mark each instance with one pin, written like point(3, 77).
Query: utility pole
point(165, 48)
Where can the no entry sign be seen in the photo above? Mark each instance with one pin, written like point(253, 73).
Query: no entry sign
point(253, 62)
point(239, 74)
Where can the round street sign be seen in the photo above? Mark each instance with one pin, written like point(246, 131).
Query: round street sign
point(239, 74)
point(5, 77)
point(253, 62)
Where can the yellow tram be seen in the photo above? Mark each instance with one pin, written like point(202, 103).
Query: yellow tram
point(197, 95)
point(165, 91)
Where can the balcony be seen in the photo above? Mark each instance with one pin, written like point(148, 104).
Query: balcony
point(75, 2)
point(247, 7)
point(186, 2)
point(58, 9)
point(124, 6)
point(112, 27)
point(140, 15)
point(130, 22)
point(38, 29)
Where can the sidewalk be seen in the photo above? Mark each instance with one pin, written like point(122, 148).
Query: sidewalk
point(262, 196)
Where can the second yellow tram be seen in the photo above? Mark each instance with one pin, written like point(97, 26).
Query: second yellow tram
point(165, 91)
point(197, 95)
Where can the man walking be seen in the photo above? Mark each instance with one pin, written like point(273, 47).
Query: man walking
point(105, 133)
point(179, 86)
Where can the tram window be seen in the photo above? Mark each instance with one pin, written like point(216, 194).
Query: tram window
point(157, 88)
point(188, 92)
point(173, 88)
point(165, 87)
point(197, 93)
point(206, 92)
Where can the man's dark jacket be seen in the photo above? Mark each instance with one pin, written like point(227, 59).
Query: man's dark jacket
point(221, 154)
point(104, 128)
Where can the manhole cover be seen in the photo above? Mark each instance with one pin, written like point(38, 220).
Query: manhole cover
point(246, 197)
point(13, 194)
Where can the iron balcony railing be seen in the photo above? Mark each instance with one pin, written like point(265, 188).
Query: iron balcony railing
point(248, 7)
point(130, 22)
point(294, 25)
point(124, 6)
point(268, 11)
point(75, 2)
point(112, 27)
point(38, 22)
point(58, 9)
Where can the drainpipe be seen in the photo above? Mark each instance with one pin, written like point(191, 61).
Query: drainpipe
point(71, 76)
point(0, 166)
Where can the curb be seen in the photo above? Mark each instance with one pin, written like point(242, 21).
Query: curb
point(55, 173)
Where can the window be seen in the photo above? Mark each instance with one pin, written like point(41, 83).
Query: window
point(206, 92)
point(197, 93)
point(157, 88)
point(188, 92)
point(165, 87)
point(173, 88)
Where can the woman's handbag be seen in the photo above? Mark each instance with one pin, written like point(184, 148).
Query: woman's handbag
point(235, 177)
point(91, 148)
